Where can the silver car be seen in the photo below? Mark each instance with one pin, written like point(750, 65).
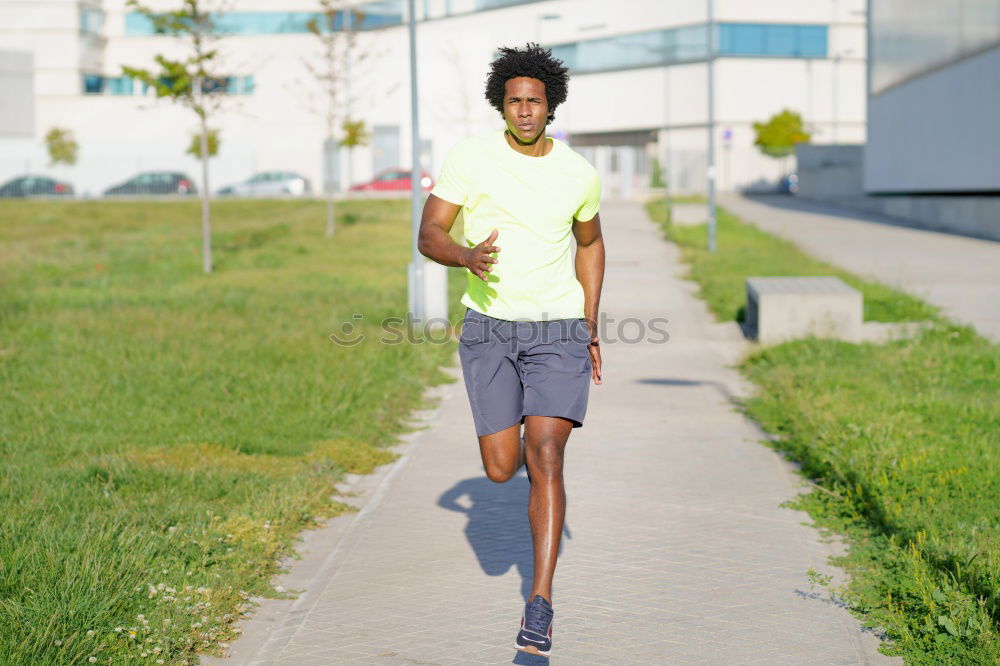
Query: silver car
point(270, 183)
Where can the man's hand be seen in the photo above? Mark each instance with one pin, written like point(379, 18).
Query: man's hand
point(478, 260)
point(595, 360)
point(594, 347)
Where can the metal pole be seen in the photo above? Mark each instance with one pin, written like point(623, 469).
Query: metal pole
point(416, 272)
point(710, 171)
point(667, 171)
point(836, 61)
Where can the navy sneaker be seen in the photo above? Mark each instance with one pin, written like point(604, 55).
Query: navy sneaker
point(535, 636)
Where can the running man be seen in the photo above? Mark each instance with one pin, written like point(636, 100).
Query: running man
point(529, 343)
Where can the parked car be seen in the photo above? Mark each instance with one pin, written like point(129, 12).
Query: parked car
point(270, 183)
point(34, 186)
point(393, 179)
point(789, 184)
point(155, 182)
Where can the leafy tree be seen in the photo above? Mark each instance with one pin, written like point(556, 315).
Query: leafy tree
point(656, 174)
point(778, 136)
point(194, 148)
point(355, 134)
point(62, 146)
point(189, 81)
point(336, 31)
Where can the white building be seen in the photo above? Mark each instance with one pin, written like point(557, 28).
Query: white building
point(638, 89)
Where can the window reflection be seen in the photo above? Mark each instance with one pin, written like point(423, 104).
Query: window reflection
point(796, 41)
point(686, 43)
point(96, 84)
point(378, 14)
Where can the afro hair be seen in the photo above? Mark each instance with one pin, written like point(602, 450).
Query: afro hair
point(532, 61)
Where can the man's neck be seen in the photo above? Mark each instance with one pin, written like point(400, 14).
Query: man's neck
point(540, 147)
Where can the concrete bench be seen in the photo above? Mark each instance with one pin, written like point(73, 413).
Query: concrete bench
point(785, 308)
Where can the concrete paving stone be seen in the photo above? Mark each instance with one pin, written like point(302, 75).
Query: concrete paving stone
point(675, 544)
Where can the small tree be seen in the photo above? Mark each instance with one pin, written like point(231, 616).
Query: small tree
point(189, 82)
point(778, 136)
point(355, 134)
point(194, 148)
point(336, 32)
point(656, 174)
point(62, 147)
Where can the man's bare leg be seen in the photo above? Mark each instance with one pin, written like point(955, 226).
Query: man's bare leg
point(502, 453)
point(545, 439)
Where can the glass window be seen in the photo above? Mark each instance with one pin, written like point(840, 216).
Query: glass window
point(748, 39)
point(93, 84)
point(380, 14)
point(372, 15)
point(689, 42)
point(782, 40)
point(494, 4)
point(138, 25)
point(813, 41)
point(741, 39)
point(120, 85)
point(220, 84)
point(564, 52)
point(91, 20)
point(265, 23)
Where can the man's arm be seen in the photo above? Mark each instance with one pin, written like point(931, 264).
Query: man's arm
point(435, 243)
point(590, 273)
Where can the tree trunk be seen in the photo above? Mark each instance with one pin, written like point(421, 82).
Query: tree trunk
point(329, 211)
point(328, 184)
point(206, 223)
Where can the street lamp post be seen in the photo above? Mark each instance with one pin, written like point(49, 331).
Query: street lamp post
point(428, 280)
point(710, 170)
point(416, 273)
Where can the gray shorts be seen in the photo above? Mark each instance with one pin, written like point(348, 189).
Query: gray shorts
point(514, 369)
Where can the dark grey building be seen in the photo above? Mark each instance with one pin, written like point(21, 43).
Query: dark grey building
point(933, 97)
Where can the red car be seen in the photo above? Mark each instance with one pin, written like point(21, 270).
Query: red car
point(393, 179)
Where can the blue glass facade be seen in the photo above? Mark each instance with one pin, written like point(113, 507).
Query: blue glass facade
point(483, 5)
point(380, 14)
point(786, 41)
point(91, 20)
point(658, 47)
point(95, 84)
point(120, 85)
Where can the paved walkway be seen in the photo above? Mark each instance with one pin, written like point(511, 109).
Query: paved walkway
point(960, 275)
point(675, 552)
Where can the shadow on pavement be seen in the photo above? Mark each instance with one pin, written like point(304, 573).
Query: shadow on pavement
point(532, 659)
point(673, 382)
point(497, 528)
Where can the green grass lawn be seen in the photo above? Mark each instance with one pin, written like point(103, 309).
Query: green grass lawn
point(165, 433)
point(903, 438)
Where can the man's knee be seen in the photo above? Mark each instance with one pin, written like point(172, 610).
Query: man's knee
point(546, 454)
point(498, 473)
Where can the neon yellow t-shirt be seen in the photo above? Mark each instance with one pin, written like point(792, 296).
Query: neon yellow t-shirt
point(531, 202)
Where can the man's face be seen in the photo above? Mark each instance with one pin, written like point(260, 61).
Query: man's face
point(525, 108)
